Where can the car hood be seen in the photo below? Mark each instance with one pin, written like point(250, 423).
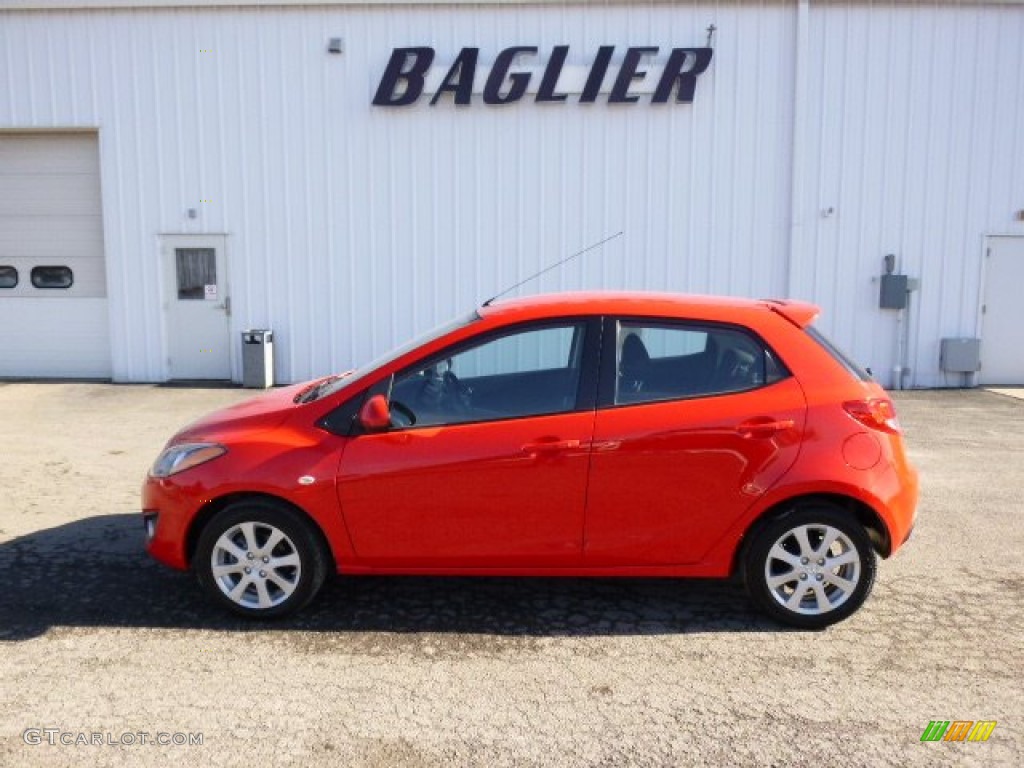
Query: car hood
point(263, 412)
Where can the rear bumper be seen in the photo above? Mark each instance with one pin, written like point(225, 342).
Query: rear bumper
point(901, 508)
point(909, 534)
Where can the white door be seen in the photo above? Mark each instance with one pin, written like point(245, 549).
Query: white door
point(198, 307)
point(1002, 319)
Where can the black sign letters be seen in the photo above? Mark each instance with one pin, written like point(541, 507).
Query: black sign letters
point(405, 76)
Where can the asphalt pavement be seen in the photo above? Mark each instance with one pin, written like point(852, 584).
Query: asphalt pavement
point(104, 654)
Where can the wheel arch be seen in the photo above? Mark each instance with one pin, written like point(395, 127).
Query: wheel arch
point(210, 510)
point(867, 517)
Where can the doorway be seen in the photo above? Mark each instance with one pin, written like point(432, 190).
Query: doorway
point(1002, 313)
point(197, 306)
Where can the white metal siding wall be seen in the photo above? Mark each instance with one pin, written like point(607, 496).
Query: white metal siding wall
point(913, 133)
point(352, 227)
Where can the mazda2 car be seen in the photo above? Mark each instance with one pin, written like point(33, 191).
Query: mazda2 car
point(588, 434)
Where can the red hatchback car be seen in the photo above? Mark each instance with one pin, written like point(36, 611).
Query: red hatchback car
point(588, 434)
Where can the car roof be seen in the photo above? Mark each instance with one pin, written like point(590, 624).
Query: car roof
point(647, 304)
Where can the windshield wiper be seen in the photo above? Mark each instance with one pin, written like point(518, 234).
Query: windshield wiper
point(310, 394)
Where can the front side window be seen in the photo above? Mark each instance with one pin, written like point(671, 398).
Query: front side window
point(52, 277)
point(667, 361)
point(8, 277)
point(526, 372)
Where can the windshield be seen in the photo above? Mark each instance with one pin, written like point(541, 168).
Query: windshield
point(330, 386)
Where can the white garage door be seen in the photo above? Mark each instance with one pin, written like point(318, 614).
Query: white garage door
point(53, 295)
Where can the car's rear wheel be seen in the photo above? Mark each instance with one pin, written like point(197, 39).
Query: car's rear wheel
point(260, 559)
point(811, 567)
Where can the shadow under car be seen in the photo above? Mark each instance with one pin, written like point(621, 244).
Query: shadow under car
point(94, 573)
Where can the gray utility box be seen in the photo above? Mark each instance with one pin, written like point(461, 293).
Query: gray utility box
point(960, 355)
point(258, 359)
point(892, 292)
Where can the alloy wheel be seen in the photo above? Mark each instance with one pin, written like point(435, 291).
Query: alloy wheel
point(812, 569)
point(255, 565)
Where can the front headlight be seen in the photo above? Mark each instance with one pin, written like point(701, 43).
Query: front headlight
point(178, 458)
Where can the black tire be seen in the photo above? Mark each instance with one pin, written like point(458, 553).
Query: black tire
point(793, 586)
point(247, 527)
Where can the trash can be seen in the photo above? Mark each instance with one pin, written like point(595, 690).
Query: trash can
point(258, 359)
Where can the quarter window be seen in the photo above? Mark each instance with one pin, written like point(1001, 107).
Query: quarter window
point(838, 355)
point(8, 277)
point(666, 361)
point(522, 373)
point(52, 277)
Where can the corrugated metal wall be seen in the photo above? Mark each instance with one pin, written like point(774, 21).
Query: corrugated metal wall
point(912, 131)
point(351, 228)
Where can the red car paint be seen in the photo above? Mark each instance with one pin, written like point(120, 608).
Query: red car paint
point(666, 488)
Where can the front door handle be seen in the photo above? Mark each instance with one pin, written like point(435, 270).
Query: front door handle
point(764, 428)
point(551, 446)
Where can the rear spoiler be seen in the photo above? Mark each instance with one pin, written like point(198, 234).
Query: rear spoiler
point(799, 313)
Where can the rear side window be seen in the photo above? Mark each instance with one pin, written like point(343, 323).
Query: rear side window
point(667, 361)
point(838, 355)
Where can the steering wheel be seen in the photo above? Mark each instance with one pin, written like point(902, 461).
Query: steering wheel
point(432, 390)
point(459, 393)
point(401, 415)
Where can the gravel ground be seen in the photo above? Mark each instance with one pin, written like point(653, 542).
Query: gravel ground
point(95, 638)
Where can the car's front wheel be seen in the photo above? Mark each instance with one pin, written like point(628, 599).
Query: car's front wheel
point(260, 559)
point(811, 567)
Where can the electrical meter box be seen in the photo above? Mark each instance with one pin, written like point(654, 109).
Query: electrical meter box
point(892, 292)
point(960, 355)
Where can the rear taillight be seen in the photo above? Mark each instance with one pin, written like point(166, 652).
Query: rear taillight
point(877, 412)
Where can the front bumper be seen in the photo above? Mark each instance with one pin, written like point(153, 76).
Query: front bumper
point(149, 521)
point(167, 512)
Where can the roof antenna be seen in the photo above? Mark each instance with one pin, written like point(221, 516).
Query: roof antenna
point(552, 266)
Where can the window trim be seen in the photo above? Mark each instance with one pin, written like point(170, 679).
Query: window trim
point(347, 412)
point(71, 277)
point(17, 277)
point(586, 390)
point(609, 358)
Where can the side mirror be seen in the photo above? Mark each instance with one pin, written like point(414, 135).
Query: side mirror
point(375, 415)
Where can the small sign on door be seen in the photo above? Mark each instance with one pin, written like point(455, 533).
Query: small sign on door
point(210, 292)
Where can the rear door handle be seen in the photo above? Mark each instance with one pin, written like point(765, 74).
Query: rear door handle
point(551, 446)
point(764, 428)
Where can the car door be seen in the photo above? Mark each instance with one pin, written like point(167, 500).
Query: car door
point(490, 468)
point(695, 421)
